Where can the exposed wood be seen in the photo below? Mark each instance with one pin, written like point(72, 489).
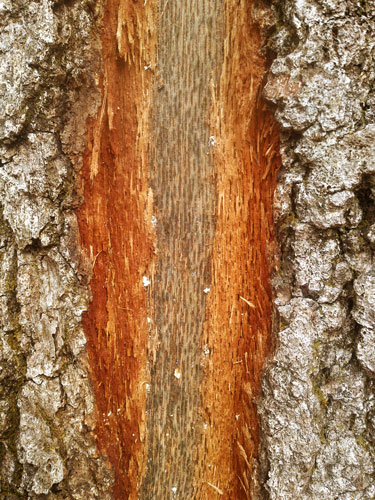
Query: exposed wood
point(171, 82)
point(182, 180)
point(182, 163)
point(239, 310)
point(116, 232)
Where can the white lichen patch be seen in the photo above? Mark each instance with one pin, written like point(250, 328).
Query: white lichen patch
point(37, 445)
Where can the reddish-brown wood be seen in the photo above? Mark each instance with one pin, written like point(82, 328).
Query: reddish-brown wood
point(238, 326)
point(115, 229)
point(195, 146)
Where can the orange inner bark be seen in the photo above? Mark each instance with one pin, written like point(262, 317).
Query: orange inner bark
point(115, 233)
point(239, 313)
point(115, 226)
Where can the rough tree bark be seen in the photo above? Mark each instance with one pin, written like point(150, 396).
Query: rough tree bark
point(141, 178)
point(318, 402)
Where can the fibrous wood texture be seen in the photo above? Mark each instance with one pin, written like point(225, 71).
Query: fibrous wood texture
point(239, 311)
point(49, 61)
point(182, 181)
point(177, 221)
point(115, 231)
point(158, 398)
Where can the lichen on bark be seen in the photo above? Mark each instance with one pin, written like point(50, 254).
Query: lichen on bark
point(317, 407)
point(49, 68)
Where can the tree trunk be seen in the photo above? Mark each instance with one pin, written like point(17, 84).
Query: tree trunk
point(187, 291)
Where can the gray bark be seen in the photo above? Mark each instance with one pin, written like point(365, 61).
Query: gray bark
point(48, 63)
point(318, 411)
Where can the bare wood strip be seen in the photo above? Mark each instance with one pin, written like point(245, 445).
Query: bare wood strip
point(115, 227)
point(247, 161)
point(189, 54)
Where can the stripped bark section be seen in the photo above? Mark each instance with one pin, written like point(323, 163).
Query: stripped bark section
point(115, 232)
point(211, 147)
point(189, 54)
point(239, 310)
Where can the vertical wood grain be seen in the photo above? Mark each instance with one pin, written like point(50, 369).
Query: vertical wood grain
point(190, 46)
point(239, 309)
point(116, 234)
point(177, 220)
